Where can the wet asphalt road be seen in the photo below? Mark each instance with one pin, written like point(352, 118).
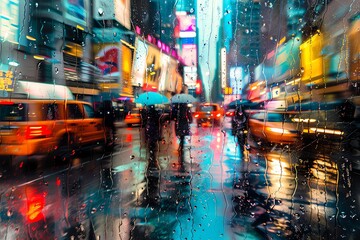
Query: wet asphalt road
point(215, 189)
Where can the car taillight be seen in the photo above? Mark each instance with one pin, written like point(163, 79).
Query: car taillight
point(128, 116)
point(230, 114)
point(6, 103)
point(278, 130)
point(196, 115)
point(218, 115)
point(37, 132)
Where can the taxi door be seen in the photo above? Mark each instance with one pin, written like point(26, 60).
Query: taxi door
point(93, 127)
point(75, 121)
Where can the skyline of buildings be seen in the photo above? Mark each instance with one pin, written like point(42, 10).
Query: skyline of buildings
point(218, 50)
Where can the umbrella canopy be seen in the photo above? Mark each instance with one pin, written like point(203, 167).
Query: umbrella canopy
point(151, 98)
point(243, 103)
point(183, 98)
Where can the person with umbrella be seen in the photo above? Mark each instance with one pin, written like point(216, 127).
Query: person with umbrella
point(151, 121)
point(152, 132)
point(238, 123)
point(182, 115)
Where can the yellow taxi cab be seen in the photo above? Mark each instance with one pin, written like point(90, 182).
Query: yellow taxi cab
point(33, 127)
point(273, 127)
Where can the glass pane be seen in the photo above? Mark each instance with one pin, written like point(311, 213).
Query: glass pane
point(179, 119)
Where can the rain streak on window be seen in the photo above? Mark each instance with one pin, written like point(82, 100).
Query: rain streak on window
point(179, 119)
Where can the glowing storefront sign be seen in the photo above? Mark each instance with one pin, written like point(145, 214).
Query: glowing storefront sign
point(6, 81)
point(223, 68)
point(311, 59)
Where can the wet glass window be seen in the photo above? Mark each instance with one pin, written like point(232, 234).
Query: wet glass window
point(179, 119)
point(13, 112)
point(74, 111)
point(89, 111)
point(208, 108)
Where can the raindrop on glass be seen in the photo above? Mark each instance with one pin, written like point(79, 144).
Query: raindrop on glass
point(9, 213)
point(93, 210)
point(101, 11)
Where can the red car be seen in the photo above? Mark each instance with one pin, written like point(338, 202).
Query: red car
point(211, 113)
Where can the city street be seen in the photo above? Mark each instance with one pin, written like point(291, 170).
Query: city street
point(214, 190)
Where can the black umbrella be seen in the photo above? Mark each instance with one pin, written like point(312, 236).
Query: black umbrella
point(244, 103)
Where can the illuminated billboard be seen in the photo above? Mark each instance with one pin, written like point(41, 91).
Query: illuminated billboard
point(146, 66)
point(9, 21)
point(188, 54)
point(139, 63)
point(354, 47)
point(311, 60)
point(186, 26)
point(237, 81)
point(107, 60)
point(170, 79)
point(190, 77)
point(118, 10)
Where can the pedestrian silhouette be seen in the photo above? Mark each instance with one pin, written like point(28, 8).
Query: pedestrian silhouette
point(181, 113)
point(151, 122)
point(108, 112)
point(238, 124)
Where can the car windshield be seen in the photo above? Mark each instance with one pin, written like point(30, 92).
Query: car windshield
point(207, 108)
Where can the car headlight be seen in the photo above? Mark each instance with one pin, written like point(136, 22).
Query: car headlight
point(278, 130)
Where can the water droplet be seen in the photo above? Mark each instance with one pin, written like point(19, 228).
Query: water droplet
point(36, 4)
point(101, 11)
point(56, 70)
point(9, 213)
